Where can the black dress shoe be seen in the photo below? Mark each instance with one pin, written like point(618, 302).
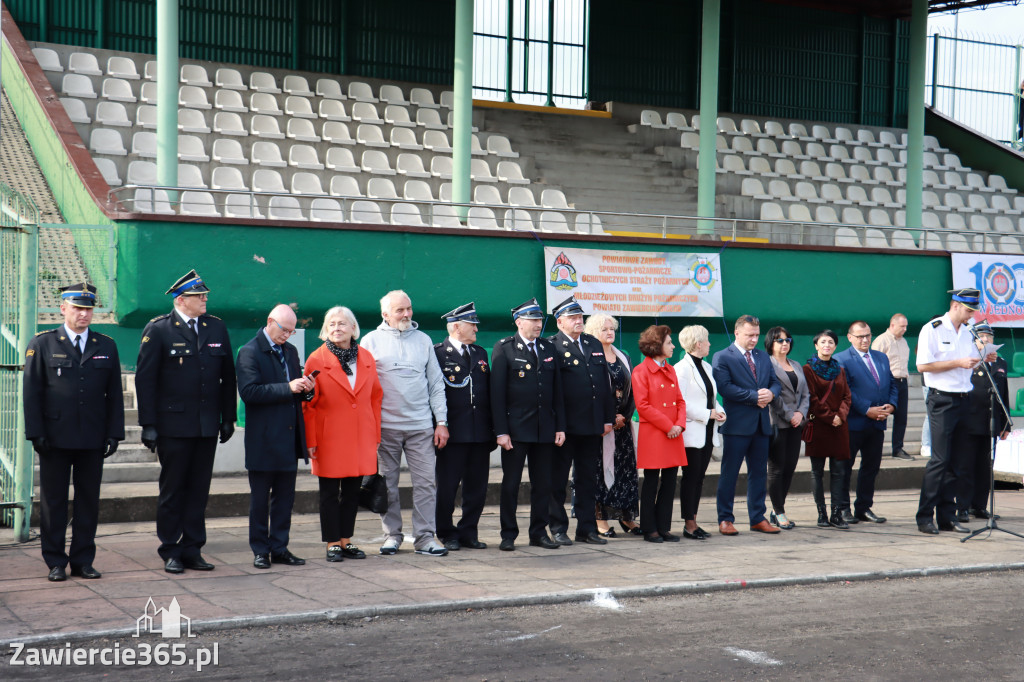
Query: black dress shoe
point(562, 539)
point(954, 527)
point(350, 551)
point(452, 545)
point(174, 565)
point(507, 545)
point(261, 561)
point(903, 454)
point(870, 517)
point(630, 530)
point(286, 558)
point(695, 535)
point(473, 544)
point(963, 516)
point(653, 537)
point(610, 533)
point(982, 514)
point(87, 572)
point(545, 542)
point(197, 563)
point(928, 527)
point(57, 575)
point(591, 538)
point(848, 517)
point(668, 537)
point(334, 554)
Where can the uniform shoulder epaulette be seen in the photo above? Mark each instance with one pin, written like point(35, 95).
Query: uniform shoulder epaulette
point(439, 345)
point(213, 317)
point(161, 317)
point(937, 322)
point(91, 332)
point(507, 339)
point(47, 331)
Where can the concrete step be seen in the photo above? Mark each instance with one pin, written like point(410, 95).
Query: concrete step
point(119, 472)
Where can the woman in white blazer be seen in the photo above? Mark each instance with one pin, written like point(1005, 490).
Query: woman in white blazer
point(703, 414)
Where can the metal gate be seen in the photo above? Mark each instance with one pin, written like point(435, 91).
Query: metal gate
point(19, 228)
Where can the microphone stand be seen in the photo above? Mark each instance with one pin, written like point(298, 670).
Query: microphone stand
point(994, 399)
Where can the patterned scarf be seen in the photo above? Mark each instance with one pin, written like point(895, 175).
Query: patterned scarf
point(826, 370)
point(345, 355)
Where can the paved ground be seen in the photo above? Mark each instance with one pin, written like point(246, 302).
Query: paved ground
point(31, 608)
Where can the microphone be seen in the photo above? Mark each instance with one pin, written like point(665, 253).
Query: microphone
point(973, 329)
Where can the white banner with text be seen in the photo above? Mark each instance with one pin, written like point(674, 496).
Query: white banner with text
point(1000, 279)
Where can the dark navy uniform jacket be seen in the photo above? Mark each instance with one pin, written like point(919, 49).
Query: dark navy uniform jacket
point(75, 405)
point(467, 390)
point(586, 385)
point(526, 392)
point(185, 385)
point(978, 398)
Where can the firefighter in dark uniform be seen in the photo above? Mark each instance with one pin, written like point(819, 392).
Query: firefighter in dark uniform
point(466, 456)
point(589, 415)
point(526, 401)
point(74, 416)
point(185, 383)
point(973, 477)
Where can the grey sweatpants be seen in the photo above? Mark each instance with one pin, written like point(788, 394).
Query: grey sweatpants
point(419, 454)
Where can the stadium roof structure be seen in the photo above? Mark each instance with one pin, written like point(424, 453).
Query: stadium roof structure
point(896, 9)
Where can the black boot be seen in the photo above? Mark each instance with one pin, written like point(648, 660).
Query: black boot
point(837, 519)
point(822, 517)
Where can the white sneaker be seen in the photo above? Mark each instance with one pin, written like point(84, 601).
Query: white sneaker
point(431, 548)
point(390, 546)
point(926, 451)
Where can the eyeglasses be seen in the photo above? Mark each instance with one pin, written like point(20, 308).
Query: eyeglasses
point(289, 332)
point(861, 337)
point(784, 340)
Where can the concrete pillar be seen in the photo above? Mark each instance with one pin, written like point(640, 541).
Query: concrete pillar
point(167, 93)
point(915, 112)
point(712, 19)
point(462, 130)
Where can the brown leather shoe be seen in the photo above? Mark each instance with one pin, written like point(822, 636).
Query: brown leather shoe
point(765, 527)
point(726, 528)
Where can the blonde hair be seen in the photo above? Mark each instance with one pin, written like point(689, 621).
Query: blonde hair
point(596, 321)
point(343, 312)
point(691, 335)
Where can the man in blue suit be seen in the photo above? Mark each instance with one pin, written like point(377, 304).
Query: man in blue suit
point(748, 384)
point(875, 396)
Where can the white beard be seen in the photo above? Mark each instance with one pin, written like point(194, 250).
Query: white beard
point(403, 325)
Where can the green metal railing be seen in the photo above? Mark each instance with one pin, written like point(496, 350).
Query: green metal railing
point(19, 225)
point(531, 51)
point(976, 82)
point(89, 252)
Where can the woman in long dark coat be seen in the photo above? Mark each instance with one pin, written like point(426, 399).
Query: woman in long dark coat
point(830, 405)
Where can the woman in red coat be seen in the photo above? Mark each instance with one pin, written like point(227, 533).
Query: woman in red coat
point(659, 449)
point(830, 405)
point(342, 428)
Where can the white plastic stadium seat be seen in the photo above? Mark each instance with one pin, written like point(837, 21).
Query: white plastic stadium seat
point(190, 176)
point(429, 118)
point(366, 113)
point(109, 171)
point(499, 145)
point(487, 194)
point(370, 136)
point(411, 166)
point(48, 59)
point(522, 196)
point(141, 173)
point(518, 219)
point(77, 85)
point(443, 215)
point(228, 78)
point(306, 183)
point(341, 159)
point(363, 211)
point(441, 167)
point(381, 188)
point(75, 109)
point(482, 218)
point(361, 92)
point(376, 162)
point(285, 208)
point(264, 103)
point(144, 145)
point(191, 149)
point(652, 119)
point(345, 186)
point(329, 89)
point(588, 223)
point(301, 129)
point(333, 110)
point(226, 177)
point(229, 100)
point(406, 214)
point(336, 132)
point(553, 198)
point(192, 121)
point(512, 173)
point(304, 156)
point(404, 138)
point(417, 190)
point(263, 126)
point(261, 81)
point(392, 94)
point(112, 114)
point(198, 204)
point(152, 201)
point(422, 98)
point(552, 221)
point(107, 141)
point(298, 107)
point(229, 123)
point(193, 97)
point(267, 180)
point(325, 210)
point(84, 63)
point(193, 74)
point(297, 85)
point(480, 171)
point(772, 211)
point(118, 90)
point(437, 141)
point(241, 206)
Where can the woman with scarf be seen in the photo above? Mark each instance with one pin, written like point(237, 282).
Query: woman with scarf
point(342, 428)
point(826, 433)
point(618, 488)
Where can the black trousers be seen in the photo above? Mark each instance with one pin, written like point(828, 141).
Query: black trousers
point(468, 464)
point(972, 478)
point(835, 479)
point(868, 443)
point(692, 483)
point(657, 495)
point(899, 417)
point(56, 472)
point(271, 498)
point(783, 456)
point(339, 504)
point(538, 457)
point(186, 467)
point(947, 416)
point(583, 455)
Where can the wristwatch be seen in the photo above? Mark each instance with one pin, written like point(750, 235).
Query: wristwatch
point(444, 424)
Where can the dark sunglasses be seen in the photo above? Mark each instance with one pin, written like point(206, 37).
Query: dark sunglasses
point(784, 340)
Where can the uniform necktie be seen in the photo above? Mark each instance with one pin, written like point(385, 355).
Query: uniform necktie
point(579, 344)
point(750, 363)
point(192, 326)
point(533, 351)
point(871, 367)
point(465, 354)
point(78, 346)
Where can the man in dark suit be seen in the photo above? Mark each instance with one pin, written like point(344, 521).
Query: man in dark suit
point(526, 402)
point(272, 387)
point(185, 385)
point(589, 415)
point(466, 457)
point(748, 384)
point(975, 469)
point(74, 416)
point(874, 397)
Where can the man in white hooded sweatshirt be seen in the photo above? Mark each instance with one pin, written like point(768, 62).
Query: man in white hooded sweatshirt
point(413, 401)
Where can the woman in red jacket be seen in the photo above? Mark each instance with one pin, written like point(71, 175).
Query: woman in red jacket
point(659, 449)
point(342, 428)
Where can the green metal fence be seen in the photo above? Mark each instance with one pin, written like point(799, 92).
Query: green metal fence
point(76, 253)
point(19, 222)
point(976, 82)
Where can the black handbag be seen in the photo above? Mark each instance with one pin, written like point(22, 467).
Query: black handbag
point(373, 494)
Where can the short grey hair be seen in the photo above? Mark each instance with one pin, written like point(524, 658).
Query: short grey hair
point(340, 311)
point(691, 335)
point(596, 321)
point(385, 301)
